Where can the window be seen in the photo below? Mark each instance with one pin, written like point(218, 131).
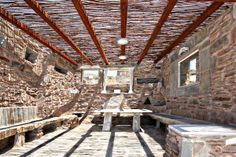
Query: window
point(188, 70)
point(118, 80)
point(61, 70)
point(90, 77)
point(31, 56)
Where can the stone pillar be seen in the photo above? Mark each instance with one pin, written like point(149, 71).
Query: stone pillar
point(107, 121)
point(131, 80)
point(104, 82)
point(136, 122)
point(19, 139)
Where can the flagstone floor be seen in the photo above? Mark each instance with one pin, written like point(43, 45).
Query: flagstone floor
point(87, 140)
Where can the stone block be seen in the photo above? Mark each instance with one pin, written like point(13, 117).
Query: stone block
point(205, 83)
point(19, 139)
point(219, 44)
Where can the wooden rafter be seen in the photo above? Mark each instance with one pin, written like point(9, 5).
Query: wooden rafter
point(44, 15)
point(84, 17)
point(158, 27)
point(200, 19)
point(123, 15)
point(10, 18)
point(211, 1)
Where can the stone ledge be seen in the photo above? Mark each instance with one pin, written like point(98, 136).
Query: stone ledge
point(173, 119)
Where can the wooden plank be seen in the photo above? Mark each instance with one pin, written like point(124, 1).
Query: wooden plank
point(84, 17)
point(44, 15)
point(10, 18)
point(200, 19)
point(158, 27)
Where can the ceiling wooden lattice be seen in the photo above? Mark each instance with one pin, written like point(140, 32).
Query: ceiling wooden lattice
point(105, 17)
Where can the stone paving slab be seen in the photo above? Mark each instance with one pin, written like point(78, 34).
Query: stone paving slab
point(87, 140)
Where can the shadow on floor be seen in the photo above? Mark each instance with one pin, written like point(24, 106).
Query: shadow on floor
point(152, 131)
point(115, 133)
point(145, 146)
point(44, 144)
point(88, 134)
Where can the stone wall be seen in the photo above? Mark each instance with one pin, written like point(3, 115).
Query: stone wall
point(23, 83)
point(91, 94)
point(213, 98)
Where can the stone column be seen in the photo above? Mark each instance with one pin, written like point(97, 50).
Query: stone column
point(136, 122)
point(131, 80)
point(104, 82)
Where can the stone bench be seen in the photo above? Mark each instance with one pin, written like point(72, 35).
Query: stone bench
point(173, 119)
point(22, 129)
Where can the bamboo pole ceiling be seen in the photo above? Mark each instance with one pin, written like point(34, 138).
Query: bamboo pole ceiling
point(98, 41)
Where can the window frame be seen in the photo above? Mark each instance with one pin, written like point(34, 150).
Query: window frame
point(179, 71)
point(92, 69)
point(131, 78)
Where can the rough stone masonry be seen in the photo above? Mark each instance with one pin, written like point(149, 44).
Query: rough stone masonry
point(23, 83)
point(213, 98)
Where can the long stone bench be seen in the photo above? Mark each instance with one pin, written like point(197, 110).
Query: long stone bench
point(28, 130)
point(173, 119)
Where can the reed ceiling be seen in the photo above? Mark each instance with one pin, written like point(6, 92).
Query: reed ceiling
point(105, 17)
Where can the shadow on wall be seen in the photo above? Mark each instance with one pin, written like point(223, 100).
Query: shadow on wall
point(20, 69)
point(21, 85)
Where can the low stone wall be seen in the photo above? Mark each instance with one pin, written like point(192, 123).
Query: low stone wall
point(13, 115)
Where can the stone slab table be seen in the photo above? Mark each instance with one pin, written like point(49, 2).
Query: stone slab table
point(107, 122)
point(201, 140)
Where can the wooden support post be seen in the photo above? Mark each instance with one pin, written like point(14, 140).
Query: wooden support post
point(136, 122)
point(107, 121)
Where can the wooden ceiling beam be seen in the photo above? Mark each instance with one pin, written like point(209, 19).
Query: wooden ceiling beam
point(200, 19)
point(123, 16)
point(223, 1)
point(158, 27)
point(84, 17)
point(13, 20)
point(44, 15)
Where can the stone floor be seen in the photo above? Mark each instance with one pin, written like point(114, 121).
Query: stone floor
point(87, 140)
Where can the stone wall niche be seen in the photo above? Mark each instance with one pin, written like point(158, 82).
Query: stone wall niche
point(31, 56)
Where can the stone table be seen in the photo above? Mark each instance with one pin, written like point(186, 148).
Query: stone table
point(108, 117)
point(201, 140)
